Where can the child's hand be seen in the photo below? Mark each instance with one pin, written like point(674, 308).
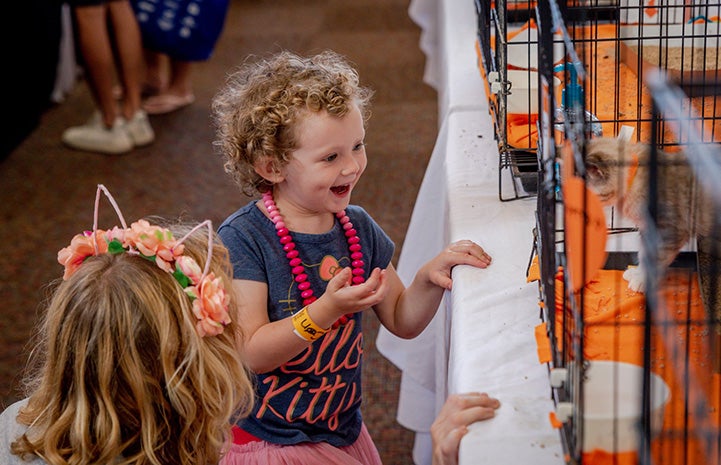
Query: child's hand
point(347, 298)
point(451, 424)
point(458, 253)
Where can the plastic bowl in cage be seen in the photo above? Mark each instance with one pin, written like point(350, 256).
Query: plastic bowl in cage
point(613, 393)
point(523, 98)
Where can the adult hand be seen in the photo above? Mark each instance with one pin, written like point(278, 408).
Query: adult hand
point(451, 424)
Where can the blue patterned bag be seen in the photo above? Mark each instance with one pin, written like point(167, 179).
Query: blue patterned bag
point(186, 30)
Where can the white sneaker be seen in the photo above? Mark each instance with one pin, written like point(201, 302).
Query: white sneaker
point(139, 129)
point(93, 136)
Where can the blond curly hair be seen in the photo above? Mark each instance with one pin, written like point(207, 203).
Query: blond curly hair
point(258, 110)
point(121, 374)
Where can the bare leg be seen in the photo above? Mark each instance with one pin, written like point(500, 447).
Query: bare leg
point(156, 72)
point(179, 92)
point(181, 83)
point(111, 56)
point(130, 54)
point(98, 58)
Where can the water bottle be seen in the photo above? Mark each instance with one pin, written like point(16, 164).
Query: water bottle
point(572, 100)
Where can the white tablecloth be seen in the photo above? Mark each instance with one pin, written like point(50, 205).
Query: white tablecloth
point(482, 337)
point(448, 31)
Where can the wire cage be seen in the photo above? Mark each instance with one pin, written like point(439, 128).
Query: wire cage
point(508, 58)
point(509, 74)
point(628, 235)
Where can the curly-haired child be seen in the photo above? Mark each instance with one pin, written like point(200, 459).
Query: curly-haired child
point(137, 361)
point(306, 262)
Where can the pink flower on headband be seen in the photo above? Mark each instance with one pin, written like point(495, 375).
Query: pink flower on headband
point(209, 299)
point(154, 241)
point(210, 305)
point(80, 248)
point(189, 268)
point(115, 234)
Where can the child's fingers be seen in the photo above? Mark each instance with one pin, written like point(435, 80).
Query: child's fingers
point(382, 288)
point(481, 399)
point(374, 277)
point(464, 409)
point(340, 279)
point(357, 297)
point(469, 253)
point(477, 399)
point(473, 414)
point(451, 424)
point(375, 287)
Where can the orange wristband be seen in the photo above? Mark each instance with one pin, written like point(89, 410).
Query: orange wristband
point(305, 327)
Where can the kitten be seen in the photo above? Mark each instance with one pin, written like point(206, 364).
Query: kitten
point(684, 212)
point(618, 172)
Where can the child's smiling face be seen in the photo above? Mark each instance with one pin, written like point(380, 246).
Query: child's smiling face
point(327, 164)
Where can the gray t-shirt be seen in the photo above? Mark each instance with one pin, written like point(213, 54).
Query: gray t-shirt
point(10, 430)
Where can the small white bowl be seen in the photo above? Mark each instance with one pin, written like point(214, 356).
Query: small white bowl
point(613, 403)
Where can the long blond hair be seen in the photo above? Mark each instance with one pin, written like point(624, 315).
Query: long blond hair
point(121, 374)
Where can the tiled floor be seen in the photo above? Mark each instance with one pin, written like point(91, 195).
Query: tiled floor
point(47, 191)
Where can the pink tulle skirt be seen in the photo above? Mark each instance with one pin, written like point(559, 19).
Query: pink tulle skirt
point(361, 452)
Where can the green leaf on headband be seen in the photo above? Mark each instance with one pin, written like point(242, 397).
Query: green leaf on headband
point(115, 247)
point(182, 278)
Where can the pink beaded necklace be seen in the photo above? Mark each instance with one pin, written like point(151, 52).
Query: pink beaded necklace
point(296, 264)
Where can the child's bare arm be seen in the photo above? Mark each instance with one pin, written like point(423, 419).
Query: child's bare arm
point(267, 345)
point(407, 311)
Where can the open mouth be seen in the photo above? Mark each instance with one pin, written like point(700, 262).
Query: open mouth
point(340, 190)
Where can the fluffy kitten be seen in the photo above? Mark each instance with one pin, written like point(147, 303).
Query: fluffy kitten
point(684, 212)
point(618, 172)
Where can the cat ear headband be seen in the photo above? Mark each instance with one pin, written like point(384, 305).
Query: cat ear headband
point(206, 292)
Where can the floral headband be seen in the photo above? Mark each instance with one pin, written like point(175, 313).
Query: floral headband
point(207, 293)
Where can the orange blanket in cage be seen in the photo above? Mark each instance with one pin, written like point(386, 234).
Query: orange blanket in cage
point(614, 330)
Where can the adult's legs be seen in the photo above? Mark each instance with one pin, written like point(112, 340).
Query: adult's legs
point(108, 132)
point(126, 34)
point(157, 72)
point(181, 82)
point(178, 93)
point(98, 60)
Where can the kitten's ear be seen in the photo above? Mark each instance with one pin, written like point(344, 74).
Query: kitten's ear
point(594, 172)
point(602, 156)
point(596, 169)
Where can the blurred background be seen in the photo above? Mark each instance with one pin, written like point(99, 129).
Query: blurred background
point(47, 190)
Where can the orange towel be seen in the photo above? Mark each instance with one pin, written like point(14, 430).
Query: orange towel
point(614, 320)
